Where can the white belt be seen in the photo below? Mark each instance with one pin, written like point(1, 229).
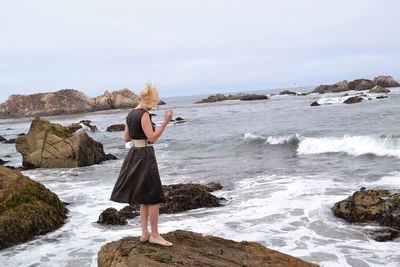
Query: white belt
point(138, 143)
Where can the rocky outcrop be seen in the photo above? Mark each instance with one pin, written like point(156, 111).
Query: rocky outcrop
point(315, 104)
point(385, 81)
point(2, 139)
point(353, 100)
point(193, 249)
point(116, 128)
point(376, 206)
point(2, 162)
point(50, 145)
point(239, 96)
point(179, 197)
point(27, 208)
point(66, 101)
point(379, 90)
point(358, 85)
point(161, 103)
point(287, 92)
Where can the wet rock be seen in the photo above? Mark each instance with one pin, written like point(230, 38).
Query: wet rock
point(179, 120)
point(111, 216)
point(89, 125)
point(27, 208)
point(385, 81)
point(129, 212)
point(353, 100)
point(50, 145)
point(10, 141)
point(2, 139)
point(333, 88)
point(2, 162)
point(379, 90)
point(381, 96)
point(161, 103)
point(192, 249)
point(182, 197)
point(384, 235)
point(287, 92)
point(213, 186)
point(251, 97)
point(360, 85)
point(315, 104)
point(116, 128)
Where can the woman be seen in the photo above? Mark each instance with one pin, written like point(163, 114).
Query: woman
point(139, 180)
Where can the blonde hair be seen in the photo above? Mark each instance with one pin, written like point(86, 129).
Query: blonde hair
point(149, 97)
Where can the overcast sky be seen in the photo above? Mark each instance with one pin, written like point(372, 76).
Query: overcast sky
point(191, 47)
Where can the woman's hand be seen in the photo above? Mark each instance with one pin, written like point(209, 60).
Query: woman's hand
point(168, 115)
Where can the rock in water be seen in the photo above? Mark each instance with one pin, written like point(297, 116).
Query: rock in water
point(2, 139)
point(111, 216)
point(251, 97)
point(332, 88)
point(379, 90)
point(27, 208)
point(287, 92)
point(385, 81)
point(116, 128)
point(50, 145)
point(193, 249)
point(360, 84)
point(315, 104)
point(353, 100)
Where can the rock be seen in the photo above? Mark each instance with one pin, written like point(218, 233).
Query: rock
point(129, 212)
point(27, 209)
point(192, 249)
point(50, 145)
point(384, 235)
point(89, 125)
point(315, 104)
point(251, 97)
point(161, 103)
point(2, 162)
point(333, 88)
point(179, 119)
point(10, 141)
point(353, 100)
point(287, 92)
point(385, 81)
point(379, 90)
point(360, 85)
point(66, 101)
point(73, 127)
point(213, 186)
point(381, 96)
point(182, 197)
point(111, 216)
point(116, 128)
point(376, 206)
point(2, 139)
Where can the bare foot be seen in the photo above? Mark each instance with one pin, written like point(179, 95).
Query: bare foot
point(145, 236)
point(160, 240)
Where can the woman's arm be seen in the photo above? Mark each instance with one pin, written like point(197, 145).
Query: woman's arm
point(148, 129)
point(127, 138)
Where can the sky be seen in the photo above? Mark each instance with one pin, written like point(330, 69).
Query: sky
point(189, 47)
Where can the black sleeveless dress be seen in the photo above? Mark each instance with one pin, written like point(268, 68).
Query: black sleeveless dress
point(139, 180)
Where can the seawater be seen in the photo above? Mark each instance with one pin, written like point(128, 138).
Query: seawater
point(283, 165)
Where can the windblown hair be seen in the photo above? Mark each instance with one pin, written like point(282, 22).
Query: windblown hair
point(149, 96)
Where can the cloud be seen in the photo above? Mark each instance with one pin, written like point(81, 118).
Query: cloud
point(190, 47)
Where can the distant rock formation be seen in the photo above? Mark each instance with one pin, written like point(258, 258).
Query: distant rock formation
point(193, 249)
point(379, 90)
point(27, 209)
point(287, 92)
point(66, 101)
point(116, 128)
point(239, 96)
point(375, 206)
point(357, 85)
point(50, 145)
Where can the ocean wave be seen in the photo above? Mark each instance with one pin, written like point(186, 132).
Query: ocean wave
point(384, 145)
point(274, 140)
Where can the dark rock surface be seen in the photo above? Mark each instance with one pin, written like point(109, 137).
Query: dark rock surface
point(379, 90)
point(360, 85)
point(333, 88)
point(193, 249)
point(50, 145)
point(287, 92)
point(353, 100)
point(161, 103)
point(385, 81)
point(116, 128)
point(27, 208)
point(251, 97)
point(2, 139)
point(315, 104)
point(239, 96)
point(111, 216)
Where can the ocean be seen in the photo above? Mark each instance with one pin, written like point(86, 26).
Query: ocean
point(283, 165)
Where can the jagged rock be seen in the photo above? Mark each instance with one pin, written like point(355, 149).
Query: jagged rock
point(251, 97)
point(192, 249)
point(50, 145)
point(129, 212)
point(116, 128)
point(385, 81)
point(360, 85)
point(65, 101)
point(10, 141)
point(2, 139)
point(379, 90)
point(27, 208)
point(2, 162)
point(315, 104)
point(287, 92)
point(377, 206)
point(333, 88)
point(88, 124)
point(353, 100)
point(111, 216)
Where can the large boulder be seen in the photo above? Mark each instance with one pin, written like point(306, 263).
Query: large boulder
point(50, 145)
point(250, 97)
point(353, 100)
point(373, 206)
point(379, 90)
point(239, 96)
point(360, 85)
point(192, 249)
point(287, 92)
point(116, 128)
point(117, 99)
point(332, 88)
point(27, 208)
point(385, 81)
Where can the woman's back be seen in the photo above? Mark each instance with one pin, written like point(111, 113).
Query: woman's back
point(134, 122)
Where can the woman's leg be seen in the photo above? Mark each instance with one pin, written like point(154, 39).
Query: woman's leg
point(144, 217)
point(153, 213)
